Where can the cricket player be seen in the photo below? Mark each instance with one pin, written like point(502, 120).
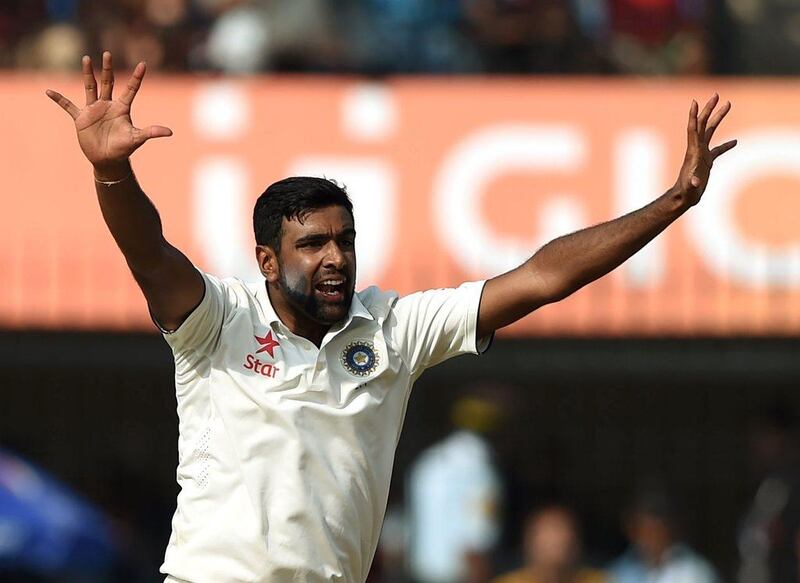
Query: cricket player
point(291, 391)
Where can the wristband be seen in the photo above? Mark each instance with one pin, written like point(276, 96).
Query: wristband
point(113, 182)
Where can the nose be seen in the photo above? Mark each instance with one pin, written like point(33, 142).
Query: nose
point(334, 258)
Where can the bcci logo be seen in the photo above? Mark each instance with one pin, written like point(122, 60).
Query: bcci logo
point(360, 358)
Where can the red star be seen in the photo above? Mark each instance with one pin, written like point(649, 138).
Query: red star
point(268, 344)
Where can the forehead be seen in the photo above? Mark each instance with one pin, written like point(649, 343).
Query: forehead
point(550, 520)
point(326, 220)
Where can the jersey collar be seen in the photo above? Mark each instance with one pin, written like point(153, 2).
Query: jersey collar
point(358, 310)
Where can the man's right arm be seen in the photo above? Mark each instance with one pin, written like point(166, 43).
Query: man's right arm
point(169, 281)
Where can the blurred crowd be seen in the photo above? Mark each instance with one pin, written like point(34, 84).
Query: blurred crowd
point(457, 514)
point(376, 37)
point(453, 518)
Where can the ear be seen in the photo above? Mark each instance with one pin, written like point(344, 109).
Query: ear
point(268, 263)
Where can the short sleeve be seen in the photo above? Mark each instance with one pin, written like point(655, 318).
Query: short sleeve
point(435, 325)
point(201, 330)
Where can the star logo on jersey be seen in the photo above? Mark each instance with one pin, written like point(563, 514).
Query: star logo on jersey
point(268, 344)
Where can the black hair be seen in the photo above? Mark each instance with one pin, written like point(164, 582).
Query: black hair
point(293, 198)
point(653, 499)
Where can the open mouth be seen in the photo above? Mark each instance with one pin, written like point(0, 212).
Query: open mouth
point(331, 289)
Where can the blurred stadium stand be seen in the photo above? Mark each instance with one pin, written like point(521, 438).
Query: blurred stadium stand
point(637, 37)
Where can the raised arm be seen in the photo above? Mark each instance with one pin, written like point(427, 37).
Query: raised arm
point(568, 263)
point(171, 285)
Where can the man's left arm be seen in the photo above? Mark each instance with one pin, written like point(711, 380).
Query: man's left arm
point(568, 263)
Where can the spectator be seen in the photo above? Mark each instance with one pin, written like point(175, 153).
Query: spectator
point(765, 36)
point(19, 19)
point(658, 37)
point(657, 554)
point(518, 36)
point(417, 36)
point(454, 493)
point(552, 550)
point(303, 35)
point(239, 41)
point(57, 48)
point(769, 536)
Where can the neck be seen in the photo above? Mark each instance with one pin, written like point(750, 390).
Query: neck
point(551, 574)
point(657, 559)
point(299, 323)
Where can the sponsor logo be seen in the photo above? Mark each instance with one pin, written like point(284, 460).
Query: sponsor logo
point(360, 358)
point(267, 344)
point(265, 369)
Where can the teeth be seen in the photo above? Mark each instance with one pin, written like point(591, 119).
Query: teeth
point(330, 287)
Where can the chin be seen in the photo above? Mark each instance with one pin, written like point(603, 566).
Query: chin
point(333, 314)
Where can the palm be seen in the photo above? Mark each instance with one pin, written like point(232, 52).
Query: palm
point(106, 133)
point(699, 159)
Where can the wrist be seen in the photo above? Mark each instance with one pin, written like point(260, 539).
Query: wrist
point(680, 199)
point(112, 171)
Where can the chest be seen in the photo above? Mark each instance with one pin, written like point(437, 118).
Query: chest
point(352, 371)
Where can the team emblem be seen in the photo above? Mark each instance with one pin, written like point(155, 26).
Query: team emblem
point(360, 358)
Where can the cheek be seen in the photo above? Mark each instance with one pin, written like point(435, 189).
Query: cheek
point(297, 275)
point(295, 280)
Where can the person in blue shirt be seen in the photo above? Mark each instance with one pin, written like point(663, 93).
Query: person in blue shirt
point(656, 554)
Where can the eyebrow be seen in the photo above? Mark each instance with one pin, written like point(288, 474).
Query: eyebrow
point(317, 237)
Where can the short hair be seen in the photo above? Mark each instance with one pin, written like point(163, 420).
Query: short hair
point(293, 198)
point(654, 500)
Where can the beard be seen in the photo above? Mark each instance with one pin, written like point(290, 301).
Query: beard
point(306, 302)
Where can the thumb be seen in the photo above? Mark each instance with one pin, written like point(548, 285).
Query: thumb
point(141, 136)
point(157, 132)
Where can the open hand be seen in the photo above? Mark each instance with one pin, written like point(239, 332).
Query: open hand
point(105, 131)
point(699, 159)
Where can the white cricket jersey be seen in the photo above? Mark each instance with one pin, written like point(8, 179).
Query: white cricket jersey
point(285, 450)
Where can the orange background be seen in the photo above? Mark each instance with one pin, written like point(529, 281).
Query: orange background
point(61, 269)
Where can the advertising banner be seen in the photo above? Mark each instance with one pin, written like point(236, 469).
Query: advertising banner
point(452, 179)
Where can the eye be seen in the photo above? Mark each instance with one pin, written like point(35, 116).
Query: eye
point(310, 244)
point(348, 244)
